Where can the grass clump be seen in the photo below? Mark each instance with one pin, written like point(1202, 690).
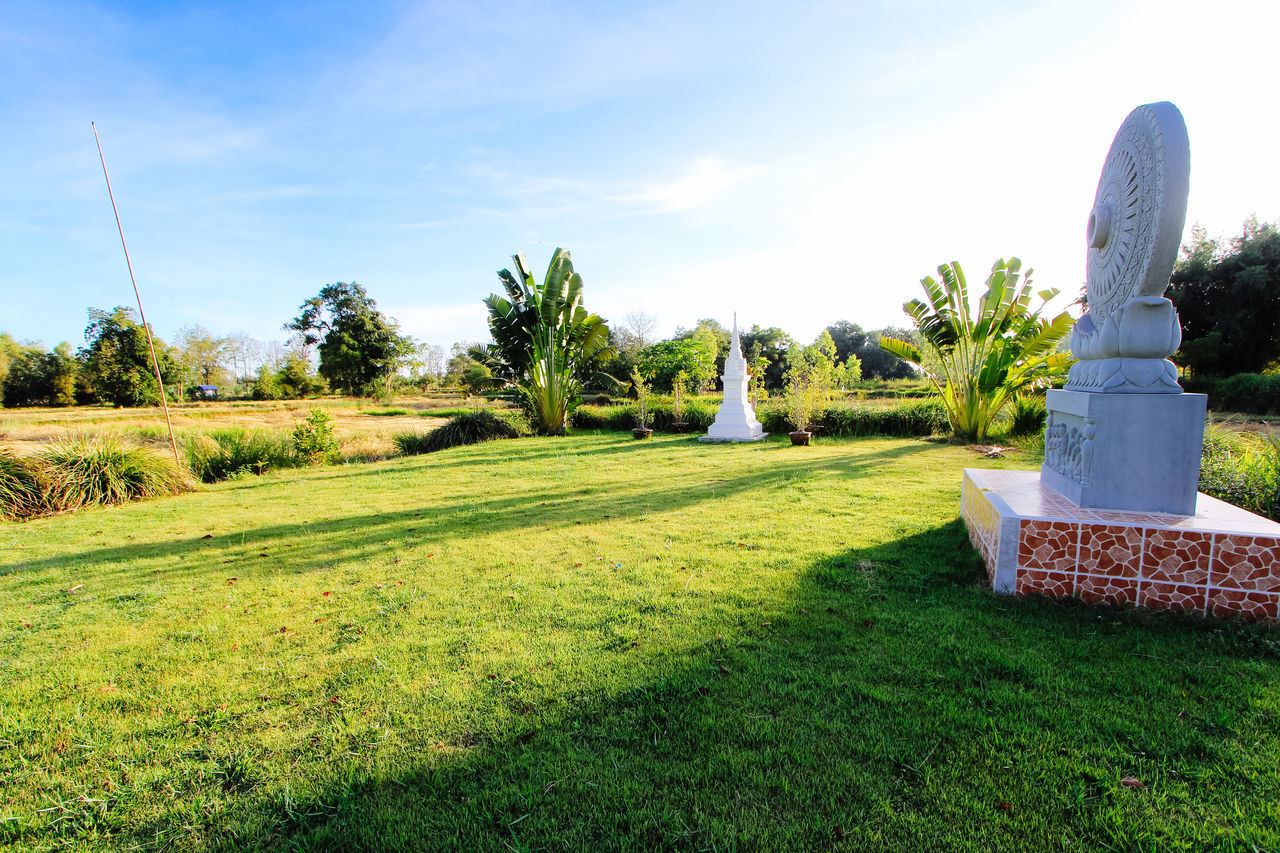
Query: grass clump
point(387, 413)
point(89, 471)
point(20, 491)
point(1027, 414)
point(468, 428)
point(222, 454)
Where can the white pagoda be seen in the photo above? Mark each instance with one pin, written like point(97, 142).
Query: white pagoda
point(736, 420)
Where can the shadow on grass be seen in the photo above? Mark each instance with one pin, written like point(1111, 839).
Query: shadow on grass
point(356, 537)
point(891, 703)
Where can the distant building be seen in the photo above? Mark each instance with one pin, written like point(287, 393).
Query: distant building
point(207, 391)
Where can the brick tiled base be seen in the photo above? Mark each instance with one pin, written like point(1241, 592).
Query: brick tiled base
point(1223, 561)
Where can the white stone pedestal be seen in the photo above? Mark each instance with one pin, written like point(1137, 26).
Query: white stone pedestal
point(1137, 452)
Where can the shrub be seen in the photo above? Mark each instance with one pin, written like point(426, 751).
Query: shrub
point(20, 488)
point(313, 438)
point(87, 471)
point(234, 451)
point(469, 428)
point(1027, 415)
point(1241, 470)
point(697, 414)
point(1252, 393)
point(908, 419)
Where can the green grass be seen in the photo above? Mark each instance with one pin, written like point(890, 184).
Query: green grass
point(594, 644)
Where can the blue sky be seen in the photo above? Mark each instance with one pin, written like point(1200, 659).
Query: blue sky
point(799, 163)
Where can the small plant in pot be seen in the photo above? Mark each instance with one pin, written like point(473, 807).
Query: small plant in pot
point(678, 389)
point(800, 399)
point(642, 430)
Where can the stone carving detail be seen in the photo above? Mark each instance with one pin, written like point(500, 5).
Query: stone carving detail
point(1133, 235)
point(1068, 449)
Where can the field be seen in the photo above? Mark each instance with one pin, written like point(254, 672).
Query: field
point(592, 643)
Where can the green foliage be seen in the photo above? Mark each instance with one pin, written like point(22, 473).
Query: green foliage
point(476, 379)
point(359, 347)
point(545, 343)
point(1241, 469)
point(313, 438)
point(912, 418)
point(987, 357)
point(874, 362)
point(641, 390)
point(1251, 393)
point(768, 347)
point(1027, 414)
point(679, 388)
point(1228, 301)
point(468, 428)
point(663, 362)
point(88, 471)
point(39, 378)
point(117, 360)
point(20, 487)
point(231, 452)
point(915, 418)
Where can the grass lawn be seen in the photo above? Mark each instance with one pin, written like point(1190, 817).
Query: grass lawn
point(593, 644)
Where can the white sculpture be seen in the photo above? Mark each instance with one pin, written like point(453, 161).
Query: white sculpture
point(736, 419)
point(1121, 434)
point(1133, 235)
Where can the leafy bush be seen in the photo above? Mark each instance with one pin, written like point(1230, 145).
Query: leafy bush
point(1027, 415)
point(87, 471)
point(1253, 393)
point(20, 490)
point(234, 451)
point(313, 438)
point(697, 414)
point(469, 428)
point(1241, 470)
point(912, 418)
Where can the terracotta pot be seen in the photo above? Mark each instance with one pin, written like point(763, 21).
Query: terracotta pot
point(679, 426)
point(800, 438)
point(641, 433)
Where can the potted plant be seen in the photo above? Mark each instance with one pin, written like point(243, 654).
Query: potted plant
point(642, 429)
point(678, 389)
point(800, 402)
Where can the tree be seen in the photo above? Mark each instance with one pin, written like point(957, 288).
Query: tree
point(1228, 301)
point(358, 345)
point(662, 362)
point(988, 357)
point(642, 326)
point(203, 355)
point(545, 343)
point(711, 334)
point(9, 350)
point(876, 363)
point(772, 345)
point(117, 360)
point(39, 378)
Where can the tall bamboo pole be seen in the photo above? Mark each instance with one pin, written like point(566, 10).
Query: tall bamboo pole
point(155, 363)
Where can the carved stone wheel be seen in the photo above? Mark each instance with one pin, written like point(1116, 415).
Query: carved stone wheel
point(1135, 226)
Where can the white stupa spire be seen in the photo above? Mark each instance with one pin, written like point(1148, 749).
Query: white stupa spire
point(736, 420)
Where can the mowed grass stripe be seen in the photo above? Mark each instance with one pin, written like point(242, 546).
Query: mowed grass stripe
point(600, 644)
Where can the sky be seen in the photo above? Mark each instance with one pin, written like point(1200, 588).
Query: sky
point(795, 163)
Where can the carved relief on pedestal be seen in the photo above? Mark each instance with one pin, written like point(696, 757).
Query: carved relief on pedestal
point(1068, 446)
point(1133, 235)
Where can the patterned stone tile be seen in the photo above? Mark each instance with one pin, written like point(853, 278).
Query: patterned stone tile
point(1176, 556)
point(1172, 596)
point(1039, 582)
point(1246, 604)
point(1110, 549)
point(1048, 545)
point(1107, 590)
point(1247, 562)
